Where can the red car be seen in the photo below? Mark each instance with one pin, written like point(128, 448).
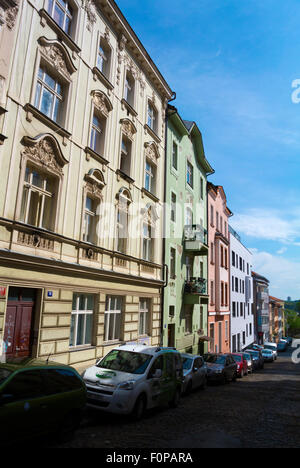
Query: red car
point(242, 365)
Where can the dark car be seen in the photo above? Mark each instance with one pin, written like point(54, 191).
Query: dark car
point(38, 398)
point(282, 346)
point(242, 364)
point(220, 367)
point(258, 359)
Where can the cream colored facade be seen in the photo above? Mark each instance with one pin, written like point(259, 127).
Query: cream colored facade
point(92, 180)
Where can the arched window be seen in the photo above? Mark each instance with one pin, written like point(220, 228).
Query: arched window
point(92, 198)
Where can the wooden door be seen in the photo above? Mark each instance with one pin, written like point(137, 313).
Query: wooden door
point(18, 323)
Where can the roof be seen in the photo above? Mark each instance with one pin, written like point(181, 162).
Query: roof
point(28, 363)
point(259, 277)
point(189, 124)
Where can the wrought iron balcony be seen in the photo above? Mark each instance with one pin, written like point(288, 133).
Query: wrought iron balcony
point(195, 239)
point(195, 291)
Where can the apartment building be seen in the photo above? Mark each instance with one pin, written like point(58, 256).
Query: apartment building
point(261, 308)
point(219, 269)
point(242, 320)
point(82, 164)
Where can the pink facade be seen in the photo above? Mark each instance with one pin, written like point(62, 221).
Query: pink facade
point(218, 270)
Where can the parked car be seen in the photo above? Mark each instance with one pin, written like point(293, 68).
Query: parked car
point(256, 346)
point(268, 355)
point(38, 398)
point(289, 339)
point(272, 347)
point(258, 359)
point(133, 378)
point(242, 365)
point(282, 346)
point(249, 358)
point(220, 367)
point(194, 372)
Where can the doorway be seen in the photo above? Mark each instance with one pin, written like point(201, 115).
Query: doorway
point(18, 330)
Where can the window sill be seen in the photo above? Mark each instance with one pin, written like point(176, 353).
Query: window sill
point(103, 78)
point(150, 195)
point(152, 133)
point(61, 34)
point(73, 349)
point(125, 176)
point(33, 111)
point(129, 108)
point(96, 155)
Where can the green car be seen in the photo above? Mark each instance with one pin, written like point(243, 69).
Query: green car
point(38, 398)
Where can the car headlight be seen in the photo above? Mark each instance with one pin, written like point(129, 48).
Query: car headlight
point(127, 385)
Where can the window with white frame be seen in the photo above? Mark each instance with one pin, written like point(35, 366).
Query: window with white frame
point(129, 89)
point(150, 177)
point(147, 242)
point(173, 207)
point(188, 216)
point(144, 317)
point(152, 117)
point(175, 156)
point(124, 201)
point(90, 217)
point(201, 188)
point(49, 94)
point(188, 315)
point(104, 58)
point(39, 198)
point(82, 320)
point(172, 263)
point(62, 13)
point(113, 318)
point(98, 133)
point(125, 160)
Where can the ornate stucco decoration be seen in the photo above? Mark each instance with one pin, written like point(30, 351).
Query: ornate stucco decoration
point(101, 102)
point(152, 152)
point(128, 129)
point(150, 216)
point(95, 183)
point(45, 151)
point(57, 54)
point(88, 6)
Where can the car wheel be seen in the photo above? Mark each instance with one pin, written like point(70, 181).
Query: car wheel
point(176, 399)
point(68, 427)
point(139, 408)
point(189, 388)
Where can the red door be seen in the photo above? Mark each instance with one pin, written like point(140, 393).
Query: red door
point(18, 323)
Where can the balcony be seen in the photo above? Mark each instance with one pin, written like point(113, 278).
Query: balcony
point(195, 239)
point(195, 291)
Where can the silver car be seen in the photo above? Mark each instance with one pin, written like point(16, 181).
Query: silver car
point(194, 372)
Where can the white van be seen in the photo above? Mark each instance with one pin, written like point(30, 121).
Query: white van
point(133, 378)
point(272, 347)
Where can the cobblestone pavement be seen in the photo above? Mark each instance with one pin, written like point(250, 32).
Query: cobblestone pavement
point(260, 410)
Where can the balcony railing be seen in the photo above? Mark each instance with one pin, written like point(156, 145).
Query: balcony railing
point(195, 239)
point(196, 286)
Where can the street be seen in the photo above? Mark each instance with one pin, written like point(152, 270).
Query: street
point(259, 411)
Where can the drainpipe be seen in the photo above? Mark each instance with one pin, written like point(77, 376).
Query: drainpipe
point(166, 267)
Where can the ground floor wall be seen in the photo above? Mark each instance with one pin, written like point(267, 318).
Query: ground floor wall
point(219, 333)
point(78, 319)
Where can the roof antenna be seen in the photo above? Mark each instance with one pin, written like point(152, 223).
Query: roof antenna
point(51, 352)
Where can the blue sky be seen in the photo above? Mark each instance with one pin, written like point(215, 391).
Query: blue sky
point(232, 64)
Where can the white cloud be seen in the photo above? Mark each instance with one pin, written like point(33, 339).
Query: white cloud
point(283, 274)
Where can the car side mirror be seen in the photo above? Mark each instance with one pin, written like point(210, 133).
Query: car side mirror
point(195, 369)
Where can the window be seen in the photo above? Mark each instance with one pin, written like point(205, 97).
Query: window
point(129, 88)
point(175, 156)
point(189, 267)
point(222, 256)
point(82, 320)
point(217, 220)
point(104, 58)
point(98, 133)
point(150, 176)
point(190, 174)
point(172, 263)
point(188, 216)
point(226, 294)
point(124, 201)
point(113, 318)
point(222, 293)
point(147, 242)
point(211, 215)
point(233, 309)
point(226, 330)
point(39, 199)
point(152, 117)
point(25, 385)
point(212, 290)
point(62, 13)
point(173, 207)
point(144, 317)
point(89, 226)
point(49, 95)
point(212, 252)
point(233, 258)
point(172, 311)
point(201, 188)
point(188, 319)
point(125, 162)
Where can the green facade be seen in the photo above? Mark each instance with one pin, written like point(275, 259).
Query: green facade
point(186, 245)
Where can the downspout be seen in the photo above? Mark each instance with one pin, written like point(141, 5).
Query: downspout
point(166, 267)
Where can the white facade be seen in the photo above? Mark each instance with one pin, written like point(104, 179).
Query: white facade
point(242, 320)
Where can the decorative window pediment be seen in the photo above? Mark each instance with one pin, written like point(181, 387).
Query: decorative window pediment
point(128, 128)
point(101, 102)
point(150, 215)
point(45, 151)
point(58, 56)
point(152, 152)
point(95, 183)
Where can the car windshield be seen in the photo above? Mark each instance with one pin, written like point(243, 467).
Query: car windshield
point(237, 358)
point(255, 353)
point(187, 363)
point(126, 361)
point(214, 359)
point(269, 347)
point(267, 351)
point(4, 374)
point(247, 356)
